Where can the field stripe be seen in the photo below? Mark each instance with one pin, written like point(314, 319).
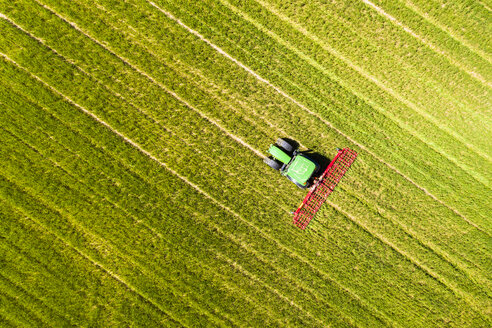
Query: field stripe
point(427, 43)
point(317, 116)
point(206, 195)
point(372, 78)
point(443, 28)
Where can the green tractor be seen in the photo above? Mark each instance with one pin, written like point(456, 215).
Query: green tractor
point(297, 167)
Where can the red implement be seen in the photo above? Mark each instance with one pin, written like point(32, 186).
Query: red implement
point(324, 187)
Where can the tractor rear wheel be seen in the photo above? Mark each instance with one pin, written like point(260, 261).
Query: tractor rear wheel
point(285, 145)
point(276, 165)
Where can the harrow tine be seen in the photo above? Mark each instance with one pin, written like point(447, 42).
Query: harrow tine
point(323, 187)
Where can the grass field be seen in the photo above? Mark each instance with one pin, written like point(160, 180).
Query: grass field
point(132, 187)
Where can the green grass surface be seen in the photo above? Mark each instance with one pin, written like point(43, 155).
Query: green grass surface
point(132, 190)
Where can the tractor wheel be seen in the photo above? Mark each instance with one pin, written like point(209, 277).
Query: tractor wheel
point(276, 165)
point(285, 145)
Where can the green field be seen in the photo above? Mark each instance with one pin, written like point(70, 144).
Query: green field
point(132, 187)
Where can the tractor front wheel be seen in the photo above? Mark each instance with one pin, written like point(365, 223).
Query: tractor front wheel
point(285, 145)
point(276, 165)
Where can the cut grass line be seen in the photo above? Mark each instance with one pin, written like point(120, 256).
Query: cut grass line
point(372, 78)
point(448, 31)
point(427, 43)
point(319, 117)
point(135, 68)
point(417, 263)
point(299, 258)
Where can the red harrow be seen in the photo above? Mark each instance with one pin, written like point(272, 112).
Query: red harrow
point(323, 187)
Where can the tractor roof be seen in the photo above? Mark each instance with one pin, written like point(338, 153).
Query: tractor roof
point(301, 169)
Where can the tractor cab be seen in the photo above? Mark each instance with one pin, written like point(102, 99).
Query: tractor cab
point(295, 166)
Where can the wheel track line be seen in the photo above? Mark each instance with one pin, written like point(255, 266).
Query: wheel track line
point(206, 195)
point(128, 63)
point(373, 79)
point(111, 245)
point(159, 235)
point(319, 117)
point(429, 44)
point(438, 25)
